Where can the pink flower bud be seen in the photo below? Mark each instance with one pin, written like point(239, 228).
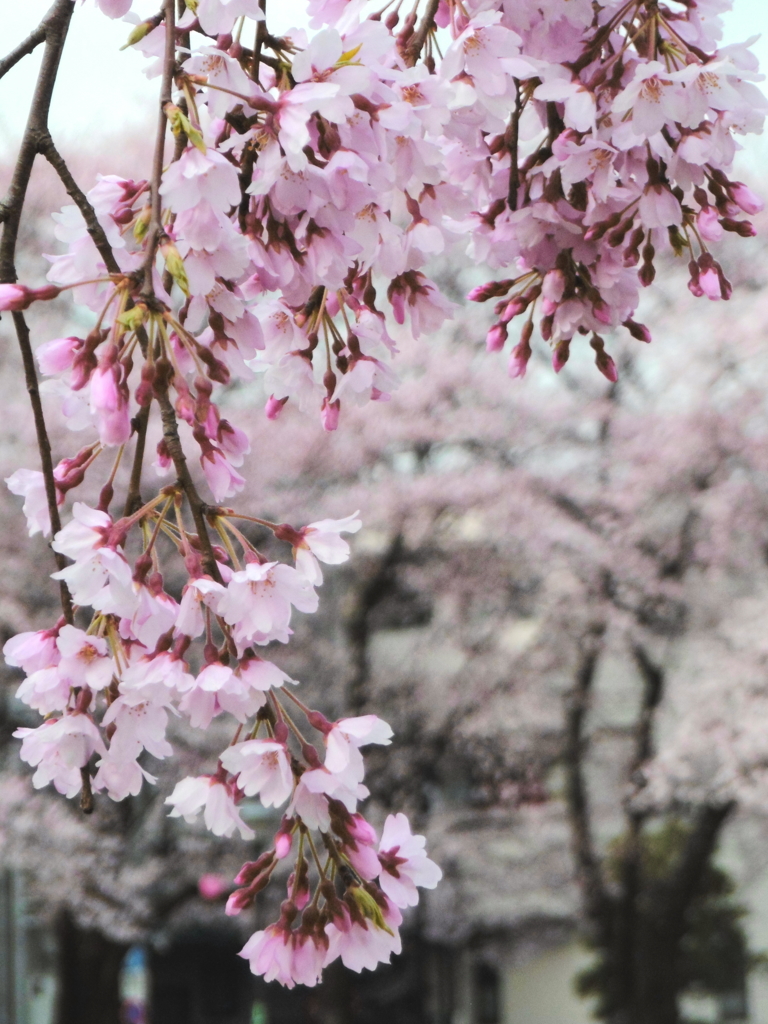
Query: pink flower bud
point(496, 338)
point(521, 353)
point(709, 283)
point(329, 414)
point(561, 354)
point(14, 297)
point(490, 290)
point(274, 407)
point(745, 198)
point(708, 224)
point(57, 355)
point(513, 309)
point(638, 331)
point(603, 361)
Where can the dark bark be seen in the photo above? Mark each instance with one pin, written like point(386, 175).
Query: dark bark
point(636, 924)
point(89, 974)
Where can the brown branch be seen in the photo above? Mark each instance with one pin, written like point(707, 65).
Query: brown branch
point(653, 691)
point(513, 141)
point(47, 148)
point(196, 504)
point(588, 869)
point(55, 26)
point(261, 35)
point(419, 38)
point(33, 40)
point(44, 447)
point(156, 225)
point(133, 498)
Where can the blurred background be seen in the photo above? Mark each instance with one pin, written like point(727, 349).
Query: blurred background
point(559, 600)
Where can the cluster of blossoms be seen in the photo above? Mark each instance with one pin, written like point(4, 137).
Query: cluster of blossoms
point(106, 692)
point(311, 181)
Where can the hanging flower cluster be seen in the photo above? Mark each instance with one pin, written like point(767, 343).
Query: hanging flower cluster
point(565, 142)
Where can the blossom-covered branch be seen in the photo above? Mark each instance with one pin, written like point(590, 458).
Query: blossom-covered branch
point(311, 181)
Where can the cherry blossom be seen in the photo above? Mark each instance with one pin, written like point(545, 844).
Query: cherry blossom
point(219, 811)
point(404, 862)
point(262, 768)
point(281, 245)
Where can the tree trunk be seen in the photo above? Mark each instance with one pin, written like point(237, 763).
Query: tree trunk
point(89, 975)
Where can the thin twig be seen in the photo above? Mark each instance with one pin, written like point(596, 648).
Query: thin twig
point(416, 45)
point(44, 446)
point(55, 24)
point(261, 35)
point(133, 498)
point(47, 148)
point(33, 40)
point(196, 504)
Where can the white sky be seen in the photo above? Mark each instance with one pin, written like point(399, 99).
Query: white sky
point(101, 87)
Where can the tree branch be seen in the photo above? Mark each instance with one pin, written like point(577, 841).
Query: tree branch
point(416, 45)
point(55, 25)
point(196, 503)
point(33, 40)
point(47, 148)
point(156, 226)
point(133, 498)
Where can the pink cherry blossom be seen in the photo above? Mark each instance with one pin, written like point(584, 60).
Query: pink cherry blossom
point(221, 816)
point(85, 660)
point(270, 954)
point(362, 946)
point(348, 734)
point(58, 749)
point(262, 768)
point(404, 862)
point(321, 542)
point(30, 484)
point(32, 651)
point(259, 600)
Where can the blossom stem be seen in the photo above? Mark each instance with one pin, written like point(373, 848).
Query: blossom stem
point(227, 544)
point(250, 519)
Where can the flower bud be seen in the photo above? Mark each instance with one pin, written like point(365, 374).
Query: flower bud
point(174, 264)
point(496, 337)
point(603, 361)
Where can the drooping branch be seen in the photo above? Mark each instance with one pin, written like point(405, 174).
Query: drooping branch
point(156, 225)
point(196, 504)
point(47, 148)
point(55, 27)
point(44, 447)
